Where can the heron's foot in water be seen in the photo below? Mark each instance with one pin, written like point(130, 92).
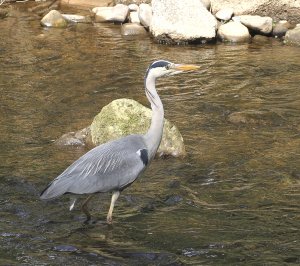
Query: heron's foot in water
point(109, 219)
point(90, 221)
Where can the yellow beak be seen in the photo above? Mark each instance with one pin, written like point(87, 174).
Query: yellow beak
point(183, 67)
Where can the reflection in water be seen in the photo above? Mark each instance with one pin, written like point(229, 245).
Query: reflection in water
point(233, 200)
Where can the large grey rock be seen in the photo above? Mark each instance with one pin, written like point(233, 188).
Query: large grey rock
point(124, 116)
point(233, 32)
point(181, 21)
point(279, 9)
point(133, 29)
point(293, 36)
point(257, 24)
point(54, 19)
point(117, 13)
point(145, 14)
point(225, 13)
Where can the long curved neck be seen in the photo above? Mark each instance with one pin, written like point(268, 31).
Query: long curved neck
point(154, 134)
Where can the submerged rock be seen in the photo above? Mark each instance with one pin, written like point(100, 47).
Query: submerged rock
point(233, 32)
point(261, 39)
point(132, 29)
point(77, 18)
point(54, 19)
point(173, 200)
point(255, 117)
point(3, 13)
point(78, 138)
point(182, 21)
point(124, 116)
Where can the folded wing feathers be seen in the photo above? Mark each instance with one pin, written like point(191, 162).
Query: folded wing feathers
point(99, 164)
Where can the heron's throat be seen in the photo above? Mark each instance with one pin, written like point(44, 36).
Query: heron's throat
point(154, 134)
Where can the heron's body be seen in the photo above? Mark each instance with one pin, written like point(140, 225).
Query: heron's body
point(103, 167)
point(113, 166)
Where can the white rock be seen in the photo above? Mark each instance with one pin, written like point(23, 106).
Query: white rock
point(145, 14)
point(206, 3)
point(182, 21)
point(84, 4)
point(76, 18)
point(54, 19)
point(95, 9)
point(257, 23)
point(133, 7)
point(233, 32)
point(103, 14)
point(118, 13)
point(225, 13)
point(293, 36)
point(134, 17)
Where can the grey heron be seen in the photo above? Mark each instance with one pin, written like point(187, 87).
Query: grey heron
point(115, 165)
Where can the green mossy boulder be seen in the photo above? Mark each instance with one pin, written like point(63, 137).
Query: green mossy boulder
point(124, 117)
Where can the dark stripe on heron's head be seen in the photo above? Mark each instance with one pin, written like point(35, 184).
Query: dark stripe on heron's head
point(159, 63)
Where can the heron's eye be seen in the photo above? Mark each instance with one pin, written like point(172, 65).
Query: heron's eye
point(167, 67)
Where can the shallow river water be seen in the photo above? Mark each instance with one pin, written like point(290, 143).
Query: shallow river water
point(234, 200)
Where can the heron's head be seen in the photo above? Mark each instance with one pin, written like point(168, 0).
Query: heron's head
point(165, 68)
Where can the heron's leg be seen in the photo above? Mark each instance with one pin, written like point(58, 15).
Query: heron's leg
point(84, 208)
point(114, 198)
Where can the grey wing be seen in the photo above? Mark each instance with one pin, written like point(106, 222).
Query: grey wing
point(111, 166)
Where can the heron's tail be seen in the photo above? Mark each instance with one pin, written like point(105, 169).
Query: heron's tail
point(43, 194)
point(56, 188)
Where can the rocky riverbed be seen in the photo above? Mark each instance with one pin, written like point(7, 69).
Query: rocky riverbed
point(233, 200)
point(178, 22)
